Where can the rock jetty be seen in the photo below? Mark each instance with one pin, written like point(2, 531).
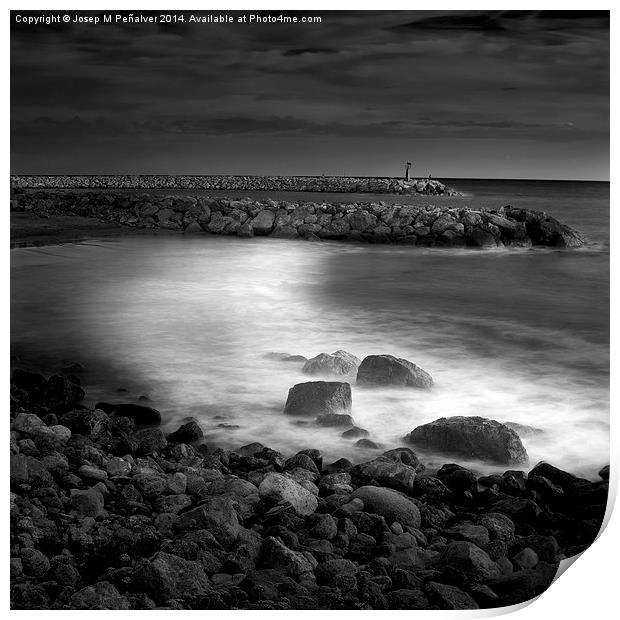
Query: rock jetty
point(370, 222)
point(109, 512)
point(363, 185)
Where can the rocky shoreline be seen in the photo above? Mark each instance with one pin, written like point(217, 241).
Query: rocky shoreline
point(360, 185)
point(108, 512)
point(373, 222)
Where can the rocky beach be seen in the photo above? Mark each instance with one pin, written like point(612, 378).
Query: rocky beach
point(110, 512)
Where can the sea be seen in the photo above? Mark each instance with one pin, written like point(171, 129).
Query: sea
point(189, 323)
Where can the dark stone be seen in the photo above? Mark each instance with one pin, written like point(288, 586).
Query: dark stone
point(355, 432)
point(334, 419)
point(367, 444)
point(186, 433)
point(141, 415)
point(391, 505)
point(471, 437)
point(337, 363)
point(386, 472)
point(317, 398)
point(389, 370)
point(450, 597)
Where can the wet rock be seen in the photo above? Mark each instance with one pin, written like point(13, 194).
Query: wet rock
point(262, 224)
point(140, 414)
point(28, 470)
point(337, 363)
point(562, 478)
point(526, 558)
point(355, 433)
point(450, 597)
point(217, 515)
point(386, 472)
point(117, 467)
point(326, 572)
point(523, 430)
point(391, 505)
point(88, 503)
point(92, 473)
point(466, 530)
point(319, 398)
point(367, 444)
point(301, 460)
point(168, 576)
point(389, 370)
point(604, 473)
point(186, 433)
point(334, 419)
point(277, 488)
point(150, 441)
point(472, 560)
point(34, 562)
point(61, 392)
point(471, 437)
point(101, 595)
point(277, 555)
point(498, 525)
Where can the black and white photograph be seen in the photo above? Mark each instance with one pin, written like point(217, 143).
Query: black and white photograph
point(309, 309)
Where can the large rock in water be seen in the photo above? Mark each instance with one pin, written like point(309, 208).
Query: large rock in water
point(316, 398)
point(336, 363)
point(471, 437)
point(390, 370)
point(391, 505)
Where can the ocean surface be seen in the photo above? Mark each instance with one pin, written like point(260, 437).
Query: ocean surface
point(514, 335)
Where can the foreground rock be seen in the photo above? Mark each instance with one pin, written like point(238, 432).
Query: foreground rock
point(108, 515)
point(389, 370)
point(316, 398)
point(472, 438)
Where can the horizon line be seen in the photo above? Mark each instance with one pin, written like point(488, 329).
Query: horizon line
point(309, 176)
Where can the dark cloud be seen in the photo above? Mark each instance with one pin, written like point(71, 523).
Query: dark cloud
point(524, 79)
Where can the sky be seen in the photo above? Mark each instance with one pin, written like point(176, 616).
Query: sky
point(503, 94)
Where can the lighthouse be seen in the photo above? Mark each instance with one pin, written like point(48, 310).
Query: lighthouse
point(407, 170)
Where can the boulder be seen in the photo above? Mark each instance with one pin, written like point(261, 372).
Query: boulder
point(277, 555)
point(471, 437)
point(337, 363)
point(187, 433)
point(101, 595)
point(88, 503)
point(327, 571)
point(387, 473)
point(217, 515)
point(470, 559)
point(450, 597)
point(389, 370)
point(316, 398)
point(167, 576)
point(278, 489)
point(149, 440)
point(140, 414)
point(389, 504)
point(355, 433)
point(335, 419)
point(262, 224)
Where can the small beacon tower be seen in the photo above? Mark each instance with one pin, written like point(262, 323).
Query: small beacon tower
point(407, 167)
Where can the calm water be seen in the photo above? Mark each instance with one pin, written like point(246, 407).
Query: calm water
point(513, 335)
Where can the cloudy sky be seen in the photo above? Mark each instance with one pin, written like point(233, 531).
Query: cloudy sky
point(461, 94)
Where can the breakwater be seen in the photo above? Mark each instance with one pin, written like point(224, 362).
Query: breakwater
point(360, 185)
point(373, 222)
